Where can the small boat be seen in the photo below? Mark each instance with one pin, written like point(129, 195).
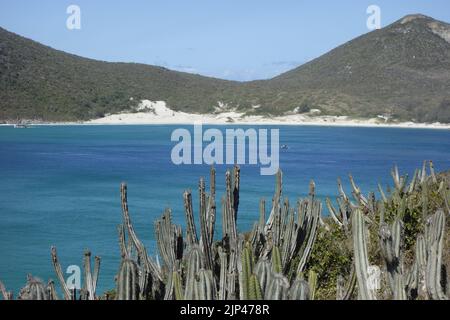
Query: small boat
point(284, 147)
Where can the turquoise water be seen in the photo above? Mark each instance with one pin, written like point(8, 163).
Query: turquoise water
point(60, 185)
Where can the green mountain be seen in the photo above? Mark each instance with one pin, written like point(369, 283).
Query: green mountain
point(402, 71)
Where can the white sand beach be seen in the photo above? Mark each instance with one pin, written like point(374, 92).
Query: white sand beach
point(157, 112)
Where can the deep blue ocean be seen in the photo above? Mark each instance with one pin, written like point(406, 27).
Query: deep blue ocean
point(60, 184)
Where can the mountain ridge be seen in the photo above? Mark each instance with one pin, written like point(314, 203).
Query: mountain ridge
point(402, 71)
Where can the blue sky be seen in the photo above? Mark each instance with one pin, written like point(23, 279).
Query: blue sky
point(231, 39)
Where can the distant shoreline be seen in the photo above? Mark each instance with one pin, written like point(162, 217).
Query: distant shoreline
point(157, 113)
point(269, 122)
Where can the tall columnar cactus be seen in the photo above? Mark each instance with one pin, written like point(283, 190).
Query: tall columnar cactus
point(177, 286)
point(151, 279)
point(169, 239)
point(345, 290)
point(390, 244)
point(195, 263)
point(278, 288)
point(312, 283)
point(90, 278)
point(88, 291)
point(263, 271)
point(35, 289)
point(60, 275)
point(434, 235)
point(300, 290)
point(51, 290)
point(249, 289)
point(128, 287)
point(191, 232)
point(204, 286)
point(276, 260)
point(223, 262)
point(361, 259)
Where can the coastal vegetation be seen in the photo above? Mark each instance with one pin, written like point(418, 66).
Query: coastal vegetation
point(294, 251)
point(398, 73)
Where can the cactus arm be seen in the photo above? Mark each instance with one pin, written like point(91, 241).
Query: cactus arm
point(314, 212)
point(255, 292)
point(435, 236)
point(346, 292)
point(276, 260)
point(153, 269)
point(312, 284)
point(433, 175)
point(230, 214)
point(128, 281)
point(357, 193)
point(177, 286)
point(6, 295)
point(211, 214)
point(278, 288)
point(88, 282)
point(51, 290)
point(59, 274)
point(246, 273)
point(262, 214)
point(195, 262)
point(223, 274)
point(383, 195)
point(333, 213)
point(97, 263)
point(191, 232)
point(122, 242)
point(204, 227)
point(275, 202)
point(360, 256)
point(205, 286)
point(236, 188)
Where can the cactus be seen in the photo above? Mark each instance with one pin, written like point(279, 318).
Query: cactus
point(434, 234)
point(343, 291)
point(195, 262)
point(204, 287)
point(278, 288)
point(255, 292)
point(312, 283)
point(223, 261)
point(169, 239)
point(390, 244)
point(90, 279)
point(35, 289)
point(51, 290)
point(361, 257)
point(263, 272)
point(269, 262)
point(59, 274)
point(276, 260)
point(151, 273)
point(128, 287)
point(300, 290)
point(246, 273)
point(88, 292)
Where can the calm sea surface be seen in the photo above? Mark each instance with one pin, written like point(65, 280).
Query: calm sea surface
point(60, 185)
